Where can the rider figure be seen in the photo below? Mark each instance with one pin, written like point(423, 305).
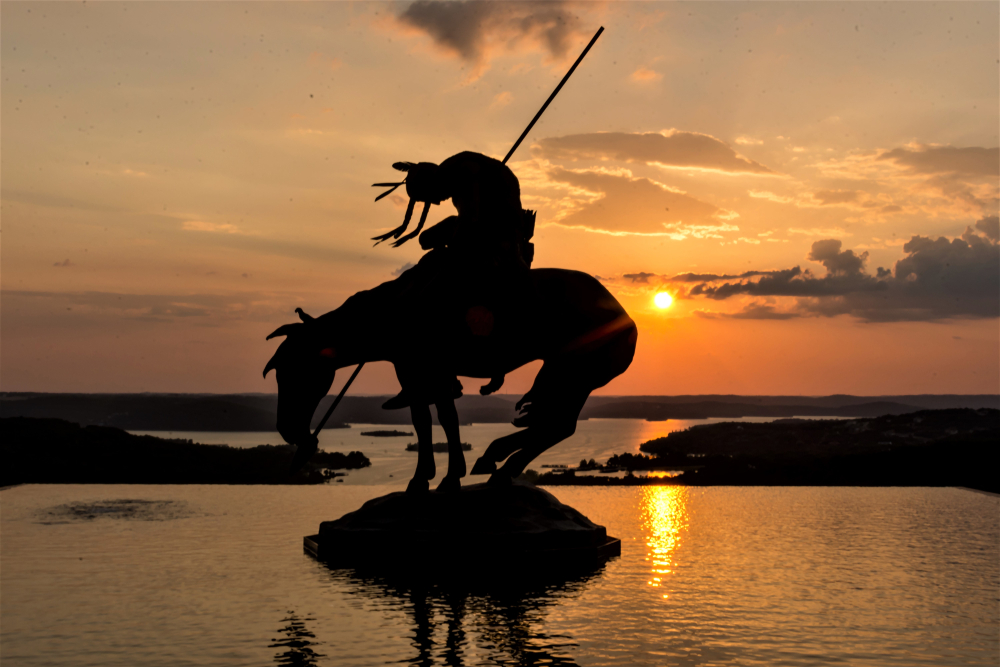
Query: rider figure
point(487, 243)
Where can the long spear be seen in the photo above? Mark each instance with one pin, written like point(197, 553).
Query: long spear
point(513, 148)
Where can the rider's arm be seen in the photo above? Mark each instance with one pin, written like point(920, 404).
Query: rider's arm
point(440, 234)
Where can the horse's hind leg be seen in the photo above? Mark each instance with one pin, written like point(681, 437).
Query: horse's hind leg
point(420, 415)
point(448, 418)
point(535, 441)
point(501, 448)
point(551, 417)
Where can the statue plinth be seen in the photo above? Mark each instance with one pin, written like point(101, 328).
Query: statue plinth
point(478, 524)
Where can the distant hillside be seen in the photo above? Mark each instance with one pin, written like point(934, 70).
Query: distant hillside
point(660, 411)
point(926, 448)
point(257, 412)
point(53, 451)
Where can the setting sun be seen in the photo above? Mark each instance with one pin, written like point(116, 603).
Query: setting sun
point(663, 300)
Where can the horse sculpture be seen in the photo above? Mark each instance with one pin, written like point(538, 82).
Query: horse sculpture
point(570, 321)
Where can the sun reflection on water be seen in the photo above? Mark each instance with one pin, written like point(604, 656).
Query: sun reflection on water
point(664, 518)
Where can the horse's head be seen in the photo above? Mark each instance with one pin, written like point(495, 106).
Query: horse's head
point(305, 366)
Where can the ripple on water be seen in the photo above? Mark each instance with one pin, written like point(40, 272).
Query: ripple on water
point(123, 509)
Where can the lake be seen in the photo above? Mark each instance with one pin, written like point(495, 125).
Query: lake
point(216, 575)
point(392, 464)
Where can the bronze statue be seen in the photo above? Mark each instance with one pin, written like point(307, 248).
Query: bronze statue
point(572, 323)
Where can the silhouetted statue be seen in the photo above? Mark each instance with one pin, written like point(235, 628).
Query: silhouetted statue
point(571, 322)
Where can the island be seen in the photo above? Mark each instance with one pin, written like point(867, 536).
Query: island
point(55, 451)
point(925, 448)
point(387, 434)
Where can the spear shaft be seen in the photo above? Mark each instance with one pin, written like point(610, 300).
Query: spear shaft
point(553, 95)
point(513, 148)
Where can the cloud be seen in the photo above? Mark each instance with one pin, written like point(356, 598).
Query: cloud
point(856, 200)
point(832, 197)
point(203, 226)
point(937, 279)
point(710, 277)
point(645, 75)
point(991, 227)
point(64, 264)
point(689, 150)
point(819, 231)
point(501, 99)
point(939, 180)
point(753, 311)
point(475, 31)
point(400, 270)
point(620, 204)
point(101, 308)
point(947, 160)
point(641, 277)
point(837, 262)
point(748, 141)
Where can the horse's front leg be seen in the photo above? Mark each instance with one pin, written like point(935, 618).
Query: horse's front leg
point(448, 418)
point(420, 415)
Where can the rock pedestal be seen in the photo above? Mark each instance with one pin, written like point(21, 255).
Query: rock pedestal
point(477, 524)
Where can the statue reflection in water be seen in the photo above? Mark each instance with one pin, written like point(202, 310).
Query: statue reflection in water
point(461, 621)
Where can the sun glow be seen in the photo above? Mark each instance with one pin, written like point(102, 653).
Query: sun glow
point(665, 521)
point(663, 300)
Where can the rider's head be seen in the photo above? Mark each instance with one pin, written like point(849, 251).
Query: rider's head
point(424, 183)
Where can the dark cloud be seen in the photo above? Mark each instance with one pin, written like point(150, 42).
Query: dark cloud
point(786, 282)
point(754, 311)
point(638, 205)
point(937, 279)
point(947, 160)
point(644, 277)
point(468, 27)
point(834, 197)
point(990, 226)
point(709, 277)
point(65, 263)
point(400, 270)
point(677, 149)
point(836, 261)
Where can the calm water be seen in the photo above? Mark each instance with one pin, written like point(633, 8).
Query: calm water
point(192, 575)
point(392, 464)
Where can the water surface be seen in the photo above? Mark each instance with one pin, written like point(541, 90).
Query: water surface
point(191, 575)
point(391, 464)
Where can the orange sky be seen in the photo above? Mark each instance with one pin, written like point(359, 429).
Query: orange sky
point(815, 183)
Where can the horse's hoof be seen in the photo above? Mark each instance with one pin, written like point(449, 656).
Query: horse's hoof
point(499, 479)
point(450, 485)
point(483, 466)
point(418, 486)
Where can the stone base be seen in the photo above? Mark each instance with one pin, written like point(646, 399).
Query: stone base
point(478, 524)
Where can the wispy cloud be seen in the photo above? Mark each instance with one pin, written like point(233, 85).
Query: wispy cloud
point(672, 148)
point(937, 180)
point(501, 99)
point(204, 226)
point(645, 75)
point(621, 204)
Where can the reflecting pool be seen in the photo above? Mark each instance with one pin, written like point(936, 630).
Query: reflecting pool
point(209, 575)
